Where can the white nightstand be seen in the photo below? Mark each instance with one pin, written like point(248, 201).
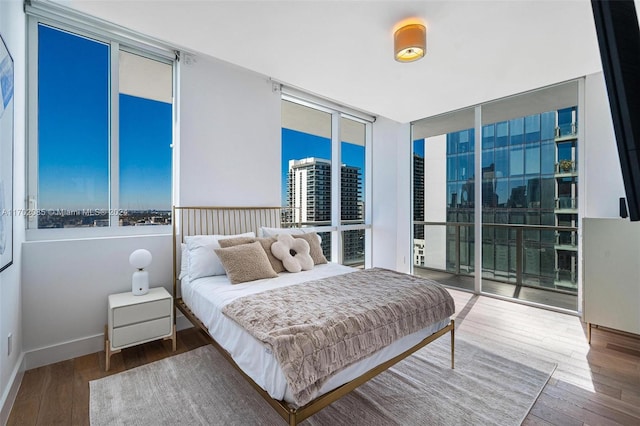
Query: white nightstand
point(138, 319)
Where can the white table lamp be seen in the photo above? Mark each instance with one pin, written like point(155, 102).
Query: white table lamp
point(140, 259)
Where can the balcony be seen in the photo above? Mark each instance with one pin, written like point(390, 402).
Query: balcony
point(566, 240)
point(568, 205)
point(536, 263)
point(567, 131)
point(566, 168)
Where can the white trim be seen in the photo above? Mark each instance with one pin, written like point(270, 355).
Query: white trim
point(336, 187)
point(97, 27)
point(11, 391)
point(63, 351)
point(95, 232)
point(32, 120)
point(77, 347)
point(114, 134)
point(323, 104)
point(368, 195)
point(582, 184)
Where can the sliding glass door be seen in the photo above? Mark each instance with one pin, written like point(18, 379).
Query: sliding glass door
point(444, 198)
point(527, 157)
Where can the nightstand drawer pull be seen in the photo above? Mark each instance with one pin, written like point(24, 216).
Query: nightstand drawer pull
point(141, 332)
point(141, 312)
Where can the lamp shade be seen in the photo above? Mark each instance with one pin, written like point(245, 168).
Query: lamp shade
point(410, 43)
point(140, 258)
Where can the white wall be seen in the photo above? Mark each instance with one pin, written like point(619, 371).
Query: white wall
point(65, 289)
point(602, 175)
point(12, 28)
point(384, 184)
point(435, 200)
point(230, 123)
point(404, 219)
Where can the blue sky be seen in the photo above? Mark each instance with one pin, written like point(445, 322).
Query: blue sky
point(73, 132)
point(418, 147)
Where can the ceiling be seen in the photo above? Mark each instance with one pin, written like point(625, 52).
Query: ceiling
point(343, 50)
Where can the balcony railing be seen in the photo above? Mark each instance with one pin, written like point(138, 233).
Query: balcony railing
point(520, 262)
point(566, 167)
point(566, 130)
point(566, 203)
point(566, 239)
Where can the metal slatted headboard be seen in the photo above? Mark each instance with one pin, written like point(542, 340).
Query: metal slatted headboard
point(220, 221)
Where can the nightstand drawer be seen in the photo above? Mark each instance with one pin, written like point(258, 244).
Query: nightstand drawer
point(141, 312)
point(141, 332)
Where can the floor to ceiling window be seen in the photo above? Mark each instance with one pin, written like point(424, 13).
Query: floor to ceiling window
point(320, 142)
point(527, 148)
point(443, 197)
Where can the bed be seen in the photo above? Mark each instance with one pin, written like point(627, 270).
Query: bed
point(217, 307)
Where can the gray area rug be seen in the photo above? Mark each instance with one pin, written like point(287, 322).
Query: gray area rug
point(201, 388)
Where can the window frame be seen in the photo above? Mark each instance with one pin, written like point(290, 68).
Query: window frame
point(336, 228)
point(118, 40)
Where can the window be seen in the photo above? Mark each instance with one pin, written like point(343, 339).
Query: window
point(100, 139)
point(73, 128)
point(527, 224)
point(319, 143)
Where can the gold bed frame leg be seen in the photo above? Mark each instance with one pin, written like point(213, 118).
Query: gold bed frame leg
point(453, 332)
point(292, 417)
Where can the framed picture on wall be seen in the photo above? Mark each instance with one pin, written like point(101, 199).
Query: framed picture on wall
point(6, 156)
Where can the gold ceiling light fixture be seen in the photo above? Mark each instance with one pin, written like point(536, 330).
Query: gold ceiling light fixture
point(410, 42)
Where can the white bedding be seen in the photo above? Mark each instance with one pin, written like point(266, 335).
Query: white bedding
point(207, 296)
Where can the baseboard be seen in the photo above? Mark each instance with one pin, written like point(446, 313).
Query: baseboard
point(11, 391)
point(87, 345)
point(62, 351)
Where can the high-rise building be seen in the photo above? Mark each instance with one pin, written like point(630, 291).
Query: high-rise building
point(529, 177)
point(418, 210)
point(309, 191)
point(418, 195)
point(309, 196)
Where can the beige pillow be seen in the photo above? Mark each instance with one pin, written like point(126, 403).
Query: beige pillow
point(246, 262)
point(314, 245)
point(276, 263)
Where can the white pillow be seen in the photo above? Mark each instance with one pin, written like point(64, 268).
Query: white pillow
point(265, 232)
point(184, 261)
point(203, 260)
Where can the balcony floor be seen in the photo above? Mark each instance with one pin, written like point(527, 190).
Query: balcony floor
point(537, 295)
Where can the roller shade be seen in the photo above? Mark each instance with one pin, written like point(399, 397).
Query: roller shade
point(548, 99)
point(316, 122)
point(145, 78)
point(443, 124)
point(538, 101)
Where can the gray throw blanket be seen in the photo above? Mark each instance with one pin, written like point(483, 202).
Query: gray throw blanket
point(320, 327)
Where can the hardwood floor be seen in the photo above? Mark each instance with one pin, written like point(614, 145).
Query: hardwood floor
point(58, 394)
point(592, 385)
